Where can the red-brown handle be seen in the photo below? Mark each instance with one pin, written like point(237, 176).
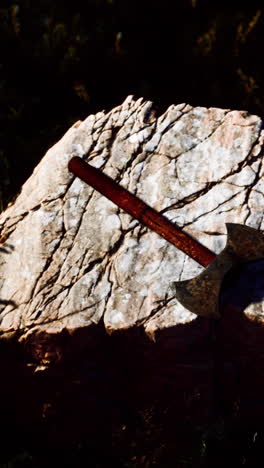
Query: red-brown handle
point(140, 210)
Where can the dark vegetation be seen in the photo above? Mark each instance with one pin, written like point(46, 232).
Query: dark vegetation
point(61, 61)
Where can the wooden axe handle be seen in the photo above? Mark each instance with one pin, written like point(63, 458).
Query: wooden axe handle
point(140, 210)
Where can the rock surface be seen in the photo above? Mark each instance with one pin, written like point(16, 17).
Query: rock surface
point(73, 267)
point(70, 258)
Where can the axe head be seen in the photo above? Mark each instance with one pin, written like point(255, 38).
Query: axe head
point(200, 295)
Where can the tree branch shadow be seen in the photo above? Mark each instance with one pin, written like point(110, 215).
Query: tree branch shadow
point(7, 249)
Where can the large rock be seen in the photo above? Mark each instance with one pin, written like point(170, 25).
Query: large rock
point(70, 258)
point(73, 266)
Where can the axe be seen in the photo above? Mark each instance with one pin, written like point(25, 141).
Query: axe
point(200, 295)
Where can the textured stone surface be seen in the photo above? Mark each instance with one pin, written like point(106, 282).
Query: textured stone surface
point(69, 258)
point(72, 266)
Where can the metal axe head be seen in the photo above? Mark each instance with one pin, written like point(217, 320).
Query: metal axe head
point(200, 295)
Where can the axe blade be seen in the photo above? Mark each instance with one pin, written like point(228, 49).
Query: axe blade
point(200, 295)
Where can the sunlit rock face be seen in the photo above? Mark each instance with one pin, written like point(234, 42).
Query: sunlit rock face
point(91, 331)
point(70, 258)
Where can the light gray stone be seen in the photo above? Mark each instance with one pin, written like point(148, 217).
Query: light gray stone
point(70, 258)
